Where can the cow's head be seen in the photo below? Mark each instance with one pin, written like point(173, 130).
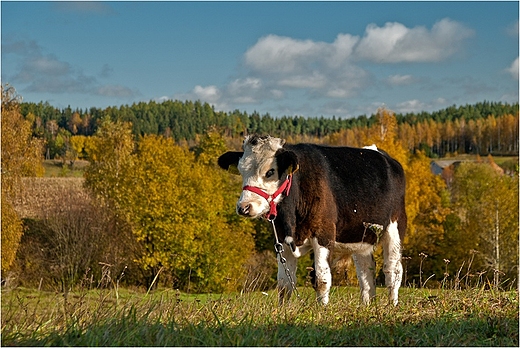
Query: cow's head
point(263, 164)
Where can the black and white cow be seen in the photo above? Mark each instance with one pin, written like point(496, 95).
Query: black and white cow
point(333, 200)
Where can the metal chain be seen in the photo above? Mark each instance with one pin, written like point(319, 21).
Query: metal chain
point(278, 248)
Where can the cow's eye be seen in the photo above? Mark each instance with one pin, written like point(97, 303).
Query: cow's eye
point(269, 173)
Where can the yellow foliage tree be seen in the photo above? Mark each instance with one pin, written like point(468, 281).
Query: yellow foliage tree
point(77, 144)
point(12, 231)
point(384, 134)
point(427, 206)
point(109, 151)
point(486, 210)
point(177, 208)
point(21, 156)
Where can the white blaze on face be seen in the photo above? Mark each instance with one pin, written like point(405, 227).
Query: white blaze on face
point(259, 169)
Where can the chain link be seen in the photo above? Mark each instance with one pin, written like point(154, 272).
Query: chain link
point(278, 248)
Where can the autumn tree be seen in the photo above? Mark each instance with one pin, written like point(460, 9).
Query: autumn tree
point(21, 156)
point(384, 134)
point(485, 220)
point(427, 208)
point(77, 146)
point(211, 145)
point(109, 151)
point(177, 208)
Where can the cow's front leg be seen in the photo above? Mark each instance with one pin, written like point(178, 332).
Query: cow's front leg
point(286, 275)
point(365, 268)
point(323, 277)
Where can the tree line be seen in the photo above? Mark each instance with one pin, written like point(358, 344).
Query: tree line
point(486, 127)
point(158, 211)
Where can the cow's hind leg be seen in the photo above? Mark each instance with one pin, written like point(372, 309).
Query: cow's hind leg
point(323, 276)
point(365, 269)
point(392, 261)
point(286, 275)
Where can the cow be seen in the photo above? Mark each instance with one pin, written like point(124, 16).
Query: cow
point(336, 201)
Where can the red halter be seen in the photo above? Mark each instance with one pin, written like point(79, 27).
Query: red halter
point(284, 188)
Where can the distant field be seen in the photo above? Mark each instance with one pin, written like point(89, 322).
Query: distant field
point(122, 317)
point(57, 168)
point(39, 193)
point(500, 160)
point(469, 157)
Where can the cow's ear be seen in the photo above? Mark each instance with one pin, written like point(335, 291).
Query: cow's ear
point(287, 161)
point(229, 161)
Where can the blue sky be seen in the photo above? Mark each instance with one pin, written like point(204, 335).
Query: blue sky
point(286, 58)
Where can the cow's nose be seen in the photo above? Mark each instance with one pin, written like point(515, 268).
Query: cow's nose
point(243, 209)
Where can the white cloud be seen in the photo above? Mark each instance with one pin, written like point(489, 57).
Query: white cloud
point(341, 50)
point(278, 66)
point(276, 54)
point(312, 80)
point(332, 69)
point(400, 80)
point(209, 93)
point(440, 101)
point(42, 66)
point(244, 91)
point(277, 94)
point(238, 86)
point(47, 73)
point(318, 68)
point(395, 43)
point(513, 69)
point(414, 105)
point(161, 99)
point(509, 98)
point(21, 47)
point(338, 92)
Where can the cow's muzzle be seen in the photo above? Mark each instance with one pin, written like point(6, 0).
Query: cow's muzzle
point(271, 214)
point(244, 209)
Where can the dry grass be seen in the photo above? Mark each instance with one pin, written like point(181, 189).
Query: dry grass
point(473, 317)
point(36, 194)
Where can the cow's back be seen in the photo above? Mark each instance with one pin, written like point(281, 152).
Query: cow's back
point(367, 187)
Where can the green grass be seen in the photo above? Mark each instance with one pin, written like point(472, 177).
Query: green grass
point(56, 168)
point(168, 318)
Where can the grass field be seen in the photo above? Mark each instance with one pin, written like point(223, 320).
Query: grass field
point(123, 317)
point(424, 317)
point(56, 168)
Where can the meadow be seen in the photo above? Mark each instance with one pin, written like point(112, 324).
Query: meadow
point(58, 168)
point(166, 317)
